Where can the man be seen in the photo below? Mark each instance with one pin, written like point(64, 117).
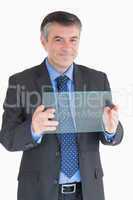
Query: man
point(57, 166)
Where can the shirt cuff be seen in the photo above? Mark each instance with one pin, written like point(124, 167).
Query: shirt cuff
point(36, 137)
point(109, 136)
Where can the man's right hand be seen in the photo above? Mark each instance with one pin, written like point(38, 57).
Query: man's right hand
point(42, 120)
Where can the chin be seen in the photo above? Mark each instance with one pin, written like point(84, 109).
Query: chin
point(66, 63)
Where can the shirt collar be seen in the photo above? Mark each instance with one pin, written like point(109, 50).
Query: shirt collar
point(54, 73)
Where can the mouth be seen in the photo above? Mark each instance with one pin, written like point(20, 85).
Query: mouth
point(65, 55)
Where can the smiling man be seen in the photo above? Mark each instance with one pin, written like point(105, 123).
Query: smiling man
point(61, 44)
point(57, 166)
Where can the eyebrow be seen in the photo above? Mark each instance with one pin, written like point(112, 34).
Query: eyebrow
point(73, 37)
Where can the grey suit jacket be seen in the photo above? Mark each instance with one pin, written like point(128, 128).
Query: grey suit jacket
point(40, 165)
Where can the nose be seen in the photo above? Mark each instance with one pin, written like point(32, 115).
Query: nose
point(66, 45)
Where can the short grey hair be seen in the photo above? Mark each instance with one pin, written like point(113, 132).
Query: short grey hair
point(60, 17)
point(45, 30)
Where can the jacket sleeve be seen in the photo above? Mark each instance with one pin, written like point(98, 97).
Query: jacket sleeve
point(119, 132)
point(15, 134)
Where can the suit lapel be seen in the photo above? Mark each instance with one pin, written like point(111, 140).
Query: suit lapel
point(80, 84)
point(43, 79)
point(78, 79)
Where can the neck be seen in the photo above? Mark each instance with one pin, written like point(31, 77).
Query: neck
point(60, 69)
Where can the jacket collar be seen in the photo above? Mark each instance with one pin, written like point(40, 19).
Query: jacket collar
point(44, 82)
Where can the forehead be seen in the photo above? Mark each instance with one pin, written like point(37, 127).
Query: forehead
point(63, 31)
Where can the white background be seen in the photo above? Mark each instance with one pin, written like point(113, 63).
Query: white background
point(106, 45)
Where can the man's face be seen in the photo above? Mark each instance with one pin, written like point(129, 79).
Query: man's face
point(62, 44)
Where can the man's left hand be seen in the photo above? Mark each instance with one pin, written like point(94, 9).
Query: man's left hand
point(110, 118)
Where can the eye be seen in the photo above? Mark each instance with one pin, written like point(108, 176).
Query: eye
point(74, 40)
point(58, 40)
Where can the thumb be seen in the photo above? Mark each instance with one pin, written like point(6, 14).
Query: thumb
point(116, 108)
point(107, 109)
point(40, 108)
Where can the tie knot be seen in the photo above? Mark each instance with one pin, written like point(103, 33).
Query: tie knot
point(62, 82)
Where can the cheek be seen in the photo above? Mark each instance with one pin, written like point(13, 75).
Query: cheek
point(75, 51)
point(55, 49)
point(52, 50)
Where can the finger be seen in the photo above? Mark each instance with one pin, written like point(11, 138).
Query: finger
point(116, 108)
point(115, 117)
point(51, 123)
point(50, 110)
point(111, 107)
point(107, 109)
point(113, 113)
point(50, 116)
point(50, 128)
point(46, 115)
point(110, 112)
point(116, 120)
point(43, 129)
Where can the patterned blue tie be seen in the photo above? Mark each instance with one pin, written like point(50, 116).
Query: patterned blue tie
point(67, 137)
